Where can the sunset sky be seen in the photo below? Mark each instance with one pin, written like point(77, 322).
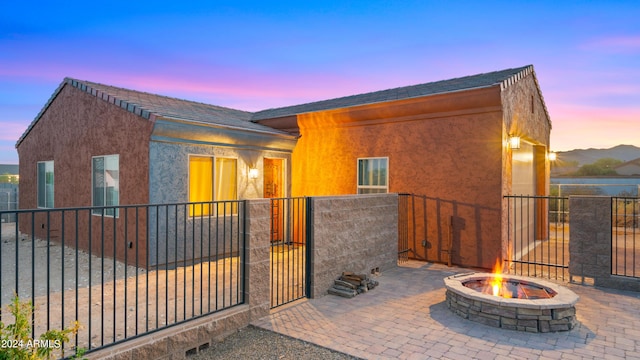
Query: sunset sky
point(255, 55)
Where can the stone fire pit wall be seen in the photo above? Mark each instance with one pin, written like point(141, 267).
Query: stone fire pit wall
point(543, 315)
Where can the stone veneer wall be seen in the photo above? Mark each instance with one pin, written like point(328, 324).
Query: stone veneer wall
point(590, 245)
point(352, 233)
point(175, 342)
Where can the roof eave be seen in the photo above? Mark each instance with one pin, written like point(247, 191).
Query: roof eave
point(274, 132)
point(337, 108)
point(42, 111)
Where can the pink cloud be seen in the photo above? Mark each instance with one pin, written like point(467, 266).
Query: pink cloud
point(250, 91)
point(11, 130)
point(584, 127)
point(8, 154)
point(614, 44)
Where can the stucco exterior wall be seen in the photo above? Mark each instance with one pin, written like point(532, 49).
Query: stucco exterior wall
point(169, 183)
point(75, 127)
point(169, 170)
point(525, 116)
point(447, 147)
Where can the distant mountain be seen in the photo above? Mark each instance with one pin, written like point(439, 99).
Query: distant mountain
point(589, 156)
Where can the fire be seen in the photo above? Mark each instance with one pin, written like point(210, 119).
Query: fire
point(497, 281)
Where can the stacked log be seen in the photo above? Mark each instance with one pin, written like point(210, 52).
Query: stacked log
point(350, 284)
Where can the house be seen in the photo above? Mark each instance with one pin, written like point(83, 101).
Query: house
point(9, 180)
point(464, 143)
point(9, 173)
point(448, 140)
point(8, 169)
point(98, 145)
point(629, 168)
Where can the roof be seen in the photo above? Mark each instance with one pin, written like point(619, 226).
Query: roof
point(151, 106)
point(502, 78)
point(634, 162)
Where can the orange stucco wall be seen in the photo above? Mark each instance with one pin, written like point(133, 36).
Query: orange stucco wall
point(75, 127)
point(447, 147)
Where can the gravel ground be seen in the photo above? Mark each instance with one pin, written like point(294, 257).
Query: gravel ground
point(255, 343)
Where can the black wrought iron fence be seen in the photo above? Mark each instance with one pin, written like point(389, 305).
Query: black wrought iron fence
point(147, 268)
point(538, 236)
point(625, 236)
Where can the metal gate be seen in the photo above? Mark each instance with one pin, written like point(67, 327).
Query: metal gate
point(538, 236)
point(289, 250)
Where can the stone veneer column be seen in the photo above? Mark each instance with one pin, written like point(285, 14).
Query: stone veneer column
point(590, 244)
point(257, 276)
point(590, 238)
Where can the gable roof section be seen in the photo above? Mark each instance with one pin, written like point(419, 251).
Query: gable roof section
point(504, 78)
point(634, 162)
point(152, 106)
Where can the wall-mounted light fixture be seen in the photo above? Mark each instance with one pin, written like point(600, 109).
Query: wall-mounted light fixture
point(514, 142)
point(553, 156)
point(253, 173)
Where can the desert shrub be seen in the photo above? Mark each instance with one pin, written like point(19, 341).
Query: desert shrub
point(16, 342)
point(627, 213)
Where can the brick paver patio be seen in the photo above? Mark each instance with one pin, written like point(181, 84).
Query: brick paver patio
point(406, 318)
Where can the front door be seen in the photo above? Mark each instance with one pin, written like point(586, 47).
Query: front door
point(274, 187)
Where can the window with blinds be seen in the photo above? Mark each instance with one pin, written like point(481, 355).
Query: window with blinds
point(212, 179)
point(373, 175)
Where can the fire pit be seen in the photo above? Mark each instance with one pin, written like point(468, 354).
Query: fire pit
point(512, 302)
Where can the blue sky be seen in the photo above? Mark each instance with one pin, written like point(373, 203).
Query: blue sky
point(256, 55)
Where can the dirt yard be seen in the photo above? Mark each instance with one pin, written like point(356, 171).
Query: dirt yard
point(111, 301)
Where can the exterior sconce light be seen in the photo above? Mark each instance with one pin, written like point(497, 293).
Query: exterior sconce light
point(253, 173)
point(514, 141)
point(553, 156)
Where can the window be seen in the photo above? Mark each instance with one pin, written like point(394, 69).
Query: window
point(211, 180)
point(45, 184)
point(373, 176)
point(106, 184)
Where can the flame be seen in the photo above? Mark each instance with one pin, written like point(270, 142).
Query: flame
point(496, 282)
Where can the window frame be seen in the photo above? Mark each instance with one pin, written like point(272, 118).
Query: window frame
point(384, 187)
point(214, 189)
point(45, 205)
point(116, 212)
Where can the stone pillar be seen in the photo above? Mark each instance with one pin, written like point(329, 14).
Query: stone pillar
point(590, 244)
point(257, 247)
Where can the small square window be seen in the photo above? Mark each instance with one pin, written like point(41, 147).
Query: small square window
point(373, 175)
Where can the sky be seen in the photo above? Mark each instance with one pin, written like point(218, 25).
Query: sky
point(255, 55)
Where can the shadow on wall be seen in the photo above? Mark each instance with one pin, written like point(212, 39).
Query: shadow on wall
point(450, 231)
